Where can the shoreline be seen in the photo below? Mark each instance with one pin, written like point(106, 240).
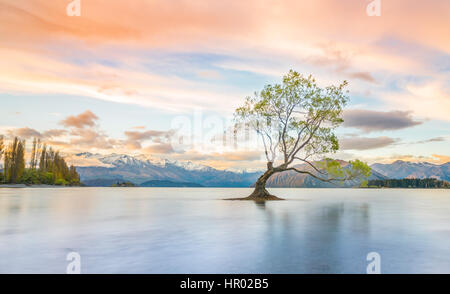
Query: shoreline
point(17, 186)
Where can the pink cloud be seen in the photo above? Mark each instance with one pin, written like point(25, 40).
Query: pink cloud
point(82, 120)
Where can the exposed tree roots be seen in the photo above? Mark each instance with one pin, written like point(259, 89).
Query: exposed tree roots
point(258, 196)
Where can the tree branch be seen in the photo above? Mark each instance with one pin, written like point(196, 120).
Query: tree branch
point(312, 165)
point(330, 180)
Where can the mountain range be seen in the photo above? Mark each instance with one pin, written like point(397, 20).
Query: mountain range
point(402, 169)
point(140, 169)
point(107, 169)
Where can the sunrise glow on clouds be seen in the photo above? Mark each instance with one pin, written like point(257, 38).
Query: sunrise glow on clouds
point(123, 71)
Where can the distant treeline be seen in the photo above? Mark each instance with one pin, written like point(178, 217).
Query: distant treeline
point(409, 183)
point(46, 166)
point(124, 184)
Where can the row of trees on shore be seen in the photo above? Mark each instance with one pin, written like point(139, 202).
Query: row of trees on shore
point(409, 183)
point(46, 166)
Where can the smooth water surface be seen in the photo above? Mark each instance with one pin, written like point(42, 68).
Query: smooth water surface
point(191, 230)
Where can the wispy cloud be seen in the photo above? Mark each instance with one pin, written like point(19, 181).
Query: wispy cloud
point(38, 36)
point(366, 143)
point(435, 139)
point(370, 120)
point(161, 138)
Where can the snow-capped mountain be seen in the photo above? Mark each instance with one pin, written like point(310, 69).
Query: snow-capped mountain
point(189, 165)
point(141, 160)
point(142, 168)
point(403, 169)
point(122, 160)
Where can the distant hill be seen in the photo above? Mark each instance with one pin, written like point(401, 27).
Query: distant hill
point(292, 179)
point(420, 170)
point(161, 183)
point(102, 182)
point(124, 184)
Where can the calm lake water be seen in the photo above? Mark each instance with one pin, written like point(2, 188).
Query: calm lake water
point(190, 230)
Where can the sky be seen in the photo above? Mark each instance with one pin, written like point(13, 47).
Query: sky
point(163, 78)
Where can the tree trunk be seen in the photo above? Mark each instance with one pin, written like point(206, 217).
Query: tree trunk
point(260, 191)
point(260, 186)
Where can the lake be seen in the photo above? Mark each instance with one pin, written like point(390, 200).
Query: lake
point(191, 230)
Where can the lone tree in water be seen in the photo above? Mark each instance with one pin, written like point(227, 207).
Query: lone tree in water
point(296, 121)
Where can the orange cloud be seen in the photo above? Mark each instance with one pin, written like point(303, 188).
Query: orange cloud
point(435, 158)
point(167, 23)
point(86, 118)
point(161, 148)
point(39, 41)
point(441, 158)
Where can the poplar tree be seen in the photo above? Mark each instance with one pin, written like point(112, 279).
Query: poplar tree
point(52, 168)
point(14, 164)
point(1, 155)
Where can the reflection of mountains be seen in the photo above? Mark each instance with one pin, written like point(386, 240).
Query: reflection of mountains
point(318, 240)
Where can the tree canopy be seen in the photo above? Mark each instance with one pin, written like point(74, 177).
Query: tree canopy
point(296, 121)
point(46, 166)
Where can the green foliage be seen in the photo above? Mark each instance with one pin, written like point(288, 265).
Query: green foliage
point(297, 119)
point(47, 178)
point(355, 170)
point(360, 169)
point(30, 177)
point(296, 113)
point(61, 182)
point(46, 166)
point(332, 167)
point(14, 162)
point(2, 146)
